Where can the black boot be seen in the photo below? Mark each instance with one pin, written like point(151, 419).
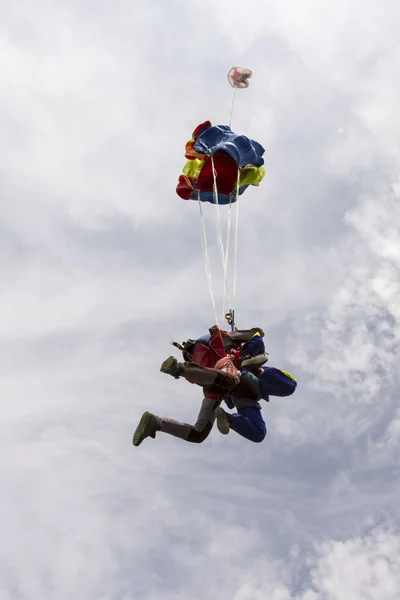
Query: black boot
point(253, 362)
point(148, 425)
point(224, 420)
point(170, 366)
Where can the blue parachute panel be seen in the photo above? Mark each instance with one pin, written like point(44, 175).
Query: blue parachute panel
point(221, 138)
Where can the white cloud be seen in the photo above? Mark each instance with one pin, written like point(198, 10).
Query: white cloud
point(355, 359)
point(359, 569)
point(100, 260)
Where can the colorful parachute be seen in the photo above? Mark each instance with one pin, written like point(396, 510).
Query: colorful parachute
point(219, 160)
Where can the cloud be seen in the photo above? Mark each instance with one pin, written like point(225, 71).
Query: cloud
point(361, 568)
point(100, 261)
point(359, 333)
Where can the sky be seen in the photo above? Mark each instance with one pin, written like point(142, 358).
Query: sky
point(101, 262)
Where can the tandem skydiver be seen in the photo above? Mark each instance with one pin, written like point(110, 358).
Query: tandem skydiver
point(230, 367)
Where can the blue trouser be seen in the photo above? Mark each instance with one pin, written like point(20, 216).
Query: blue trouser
point(249, 423)
point(275, 382)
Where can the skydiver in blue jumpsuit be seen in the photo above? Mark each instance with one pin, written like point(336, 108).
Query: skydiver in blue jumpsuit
point(264, 382)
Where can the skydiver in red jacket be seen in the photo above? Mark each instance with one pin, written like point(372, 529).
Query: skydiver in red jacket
point(228, 367)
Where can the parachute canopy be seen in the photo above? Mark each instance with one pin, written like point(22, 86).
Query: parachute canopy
point(238, 77)
point(237, 162)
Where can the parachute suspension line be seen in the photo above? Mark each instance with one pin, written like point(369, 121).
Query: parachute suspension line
point(232, 106)
point(219, 238)
point(226, 263)
point(216, 199)
point(207, 258)
point(236, 242)
point(230, 315)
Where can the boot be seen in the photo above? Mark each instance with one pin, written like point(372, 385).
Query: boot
point(148, 425)
point(224, 420)
point(170, 366)
point(253, 362)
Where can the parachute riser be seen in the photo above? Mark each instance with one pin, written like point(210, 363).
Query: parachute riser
point(230, 317)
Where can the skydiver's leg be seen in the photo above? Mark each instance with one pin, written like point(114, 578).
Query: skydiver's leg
point(247, 422)
point(197, 433)
point(227, 377)
point(279, 383)
point(239, 336)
